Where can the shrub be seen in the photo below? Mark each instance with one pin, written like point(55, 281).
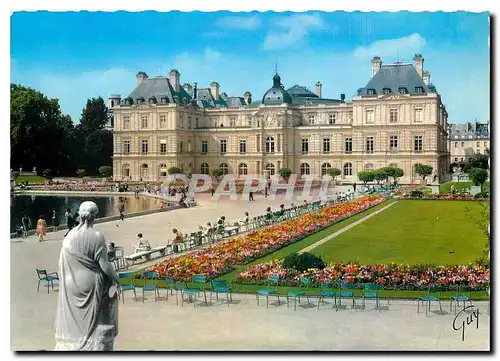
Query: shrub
point(285, 172)
point(417, 194)
point(81, 172)
point(366, 176)
point(105, 171)
point(47, 173)
point(478, 176)
point(174, 170)
point(481, 195)
point(15, 174)
point(334, 172)
point(303, 262)
point(423, 170)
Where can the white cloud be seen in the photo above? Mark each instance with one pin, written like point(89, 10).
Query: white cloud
point(411, 44)
point(240, 22)
point(212, 55)
point(294, 29)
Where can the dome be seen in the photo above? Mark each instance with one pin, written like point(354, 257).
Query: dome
point(277, 94)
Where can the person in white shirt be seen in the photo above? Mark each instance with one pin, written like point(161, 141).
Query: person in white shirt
point(142, 244)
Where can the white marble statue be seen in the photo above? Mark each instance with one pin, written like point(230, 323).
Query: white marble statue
point(86, 318)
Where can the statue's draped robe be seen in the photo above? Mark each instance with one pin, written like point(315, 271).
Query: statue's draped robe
point(83, 320)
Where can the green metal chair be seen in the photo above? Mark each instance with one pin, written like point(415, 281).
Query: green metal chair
point(47, 277)
point(200, 281)
point(346, 290)
point(433, 294)
point(295, 294)
point(460, 297)
point(150, 285)
point(327, 290)
point(221, 287)
point(127, 286)
point(371, 291)
point(272, 280)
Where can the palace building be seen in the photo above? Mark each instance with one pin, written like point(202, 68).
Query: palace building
point(396, 119)
point(468, 139)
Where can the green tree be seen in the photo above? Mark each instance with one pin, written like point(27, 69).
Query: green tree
point(379, 175)
point(285, 173)
point(217, 173)
point(81, 172)
point(366, 176)
point(478, 176)
point(174, 170)
point(393, 172)
point(477, 161)
point(47, 173)
point(334, 172)
point(106, 171)
point(423, 170)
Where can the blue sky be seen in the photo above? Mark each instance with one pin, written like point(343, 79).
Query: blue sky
point(74, 56)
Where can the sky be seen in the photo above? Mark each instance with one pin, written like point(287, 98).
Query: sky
point(73, 56)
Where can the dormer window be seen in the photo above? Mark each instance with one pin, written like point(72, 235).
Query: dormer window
point(402, 90)
point(386, 91)
point(419, 90)
point(164, 100)
point(371, 91)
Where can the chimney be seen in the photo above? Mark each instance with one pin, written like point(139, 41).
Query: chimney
point(376, 65)
point(174, 78)
point(195, 91)
point(426, 77)
point(188, 88)
point(418, 61)
point(224, 96)
point(342, 97)
point(319, 86)
point(214, 89)
point(248, 98)
point(141, 76)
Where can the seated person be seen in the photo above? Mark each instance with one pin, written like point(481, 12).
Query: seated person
point(111, 251)
point(282, 210)
point(269, 214)
point(178, 236)
point(245, 220)
point(142, 244)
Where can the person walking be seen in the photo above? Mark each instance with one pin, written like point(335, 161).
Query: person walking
point(41, 228)
point(70, 222)
point(55, 222)
point(121, 208)
point(354, 187)
point(250, 196)
point(26, 223)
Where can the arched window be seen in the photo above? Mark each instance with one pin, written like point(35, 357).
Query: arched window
point(270, 168)
point(112, 103)
point(126, 171)
point(163, 170)
point(324, 168)
point(270, 145)
point(305, 169)
point(152, 100)
point(369, 166)
point(205, 169)
point(144, 171)
point(394, 165)
point(224, 168)
point(242, 169)
point(347, 169)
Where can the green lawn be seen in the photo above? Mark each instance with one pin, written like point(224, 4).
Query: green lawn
point(460, 186)
point(410, 232)
point(31, 179)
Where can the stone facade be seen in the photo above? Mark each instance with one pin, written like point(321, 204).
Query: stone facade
point(305, 133)
point(467, 139)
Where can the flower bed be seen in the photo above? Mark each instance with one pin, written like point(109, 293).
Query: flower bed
point(447, 196)
point(222, 258)
point(392, 276)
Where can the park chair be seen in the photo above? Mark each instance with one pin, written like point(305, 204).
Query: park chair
point(200, 281)
point(433, 294)
point(460, 297)
point(371, 291)
point(150, 284)
point(221, 287)
point(327, 290)
point(47, 277)
point(346, 290)
point(272, 280)
point(301, 291)
point(119, 257)
point(129, 286)
point(173, 285)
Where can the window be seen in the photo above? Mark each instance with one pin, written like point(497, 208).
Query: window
point(305, 169)
point(393, 143)
point(163, 146)
point(189, 145)
point(224, 168)
point(163, 121)
point(205, 169)
point(462, 144)
point(370, 116)
point(197, 122)
point(461, 159)
point(126, 171)
point(456, 159)
point(310, 119)
point(144, 146)
point(386, 91)
point(181, 121)
point(223, 146)
point(257, 141)
point(270, 145)
point(348, 145)
point(305, 145)
point(324, 168)
point(242, 169)
point(204, 147)
point(326, 145)
point(232, 122)
point(419, 89)
point(144, 171)
point(243, 146)
point(485, 144)
point(369, 166)
point(181, 147)
point(402, 90)
point(369, 144)
point(163, 170)
point(189, 122)
point(126, 122)
point(331, 118)
point(126, 146)
point(347, 169)
point(419, 115)
point(456, 144)
point(417, 143)
point(270, 168)
point(371, 91)
point(477, 144)
point(144, 121)
point(393, 116)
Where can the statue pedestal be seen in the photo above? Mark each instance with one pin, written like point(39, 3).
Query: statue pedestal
point(434, 188)
point(475, 190)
